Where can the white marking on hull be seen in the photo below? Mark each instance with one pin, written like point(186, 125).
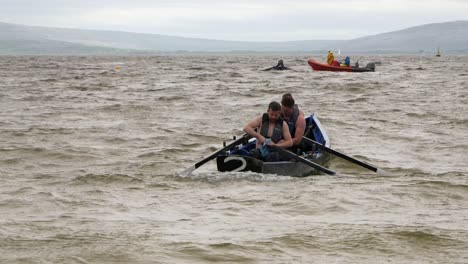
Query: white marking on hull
point(244, 162)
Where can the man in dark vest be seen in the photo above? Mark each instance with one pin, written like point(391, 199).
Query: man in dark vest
point(294, 117)
point(271, 131)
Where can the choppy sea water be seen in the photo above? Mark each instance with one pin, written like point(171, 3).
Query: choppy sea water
point(91, 148)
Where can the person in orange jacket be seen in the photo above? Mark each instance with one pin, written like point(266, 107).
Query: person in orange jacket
point(330, 58)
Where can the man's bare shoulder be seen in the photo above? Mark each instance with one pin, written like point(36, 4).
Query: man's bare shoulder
point(301, 113)
point(256, 121)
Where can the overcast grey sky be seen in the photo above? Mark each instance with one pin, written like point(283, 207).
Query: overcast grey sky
point(255, 20)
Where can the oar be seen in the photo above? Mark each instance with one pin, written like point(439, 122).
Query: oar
point(346, 157)
point(241, 140)
point(289, 154)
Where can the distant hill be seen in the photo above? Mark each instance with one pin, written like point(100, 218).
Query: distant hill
point(101, 41)
point(449, 36)
point(47, 47)
point(20, 39)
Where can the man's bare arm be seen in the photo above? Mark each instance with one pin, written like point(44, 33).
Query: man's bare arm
point(249, 128)
point(286, 142)
point(300, 128)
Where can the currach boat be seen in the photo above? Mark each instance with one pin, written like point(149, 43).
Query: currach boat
point(237, 159)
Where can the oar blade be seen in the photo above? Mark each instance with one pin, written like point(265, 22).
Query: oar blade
point(188, 170)
point(383, 173)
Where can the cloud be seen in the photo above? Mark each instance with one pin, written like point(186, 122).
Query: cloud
point(238, 20)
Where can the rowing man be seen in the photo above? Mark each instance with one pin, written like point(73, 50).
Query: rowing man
point(273, 132)
point(294, 117)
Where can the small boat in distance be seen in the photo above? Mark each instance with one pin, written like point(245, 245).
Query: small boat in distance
point(438, 52)
point(317, 66)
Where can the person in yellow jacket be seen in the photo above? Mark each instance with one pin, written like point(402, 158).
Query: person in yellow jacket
point(330, 58)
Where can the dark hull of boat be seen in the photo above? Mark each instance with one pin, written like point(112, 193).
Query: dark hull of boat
point(317, 66)
point(236, 163)
point(237, 160)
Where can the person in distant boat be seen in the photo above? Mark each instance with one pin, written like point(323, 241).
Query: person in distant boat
point(280, 67)
point(347, 61)
point(330, 58)
point(294, 118)
point(271, 131)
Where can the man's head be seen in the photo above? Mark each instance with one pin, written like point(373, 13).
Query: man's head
point(274, 111)
point(287, 104)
